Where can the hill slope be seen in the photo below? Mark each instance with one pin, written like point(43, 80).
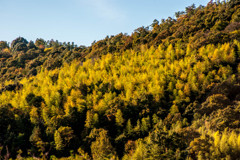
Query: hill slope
point(170, 92)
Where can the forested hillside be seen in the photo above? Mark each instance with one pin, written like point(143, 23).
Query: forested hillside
point(167, 91)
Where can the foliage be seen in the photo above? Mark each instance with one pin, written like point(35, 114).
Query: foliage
point(169, 91)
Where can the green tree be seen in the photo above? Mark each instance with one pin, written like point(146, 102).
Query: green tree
point(155, 119)
point(95, 119)
point(19, 40)
point(36, 139)
point(119, 118)
point(174, 109)
point(129, 128)
point(137, 128)
point(89, 119)
point(145, 126)
point(63, 137)
point(3, 44)
point(58, 141)
point(102, 148)
point(40, 42)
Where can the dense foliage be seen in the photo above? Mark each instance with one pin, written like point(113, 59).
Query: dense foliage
point(168, 92)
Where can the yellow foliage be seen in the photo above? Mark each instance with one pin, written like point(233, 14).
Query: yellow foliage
point(48, 49)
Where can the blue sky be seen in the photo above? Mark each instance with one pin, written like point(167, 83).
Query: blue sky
point(82, 21)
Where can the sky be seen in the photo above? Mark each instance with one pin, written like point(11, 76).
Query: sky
point(82, 21)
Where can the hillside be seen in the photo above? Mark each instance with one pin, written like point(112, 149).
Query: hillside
point(168, 91)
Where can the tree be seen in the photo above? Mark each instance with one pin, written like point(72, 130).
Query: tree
point(119, 118)
point(155, 119)
point(20, 47)
point(63, 137)
point(40, 42)
point(21, 41)
point(140, 152)
point(36, 139)
point(33, 100)
point(137, 128)
point(58, 141)
point(34, 116)
point(224, 146)
point(6, 121)
point(190, 9)
point(31, 45)
point(89, 119)
point(145, 125)
point(95, 120)
point(102, 148)
point(129, 128)
point(174, 109)
point(3, 44)
point(179, 13)
point(155, 23)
